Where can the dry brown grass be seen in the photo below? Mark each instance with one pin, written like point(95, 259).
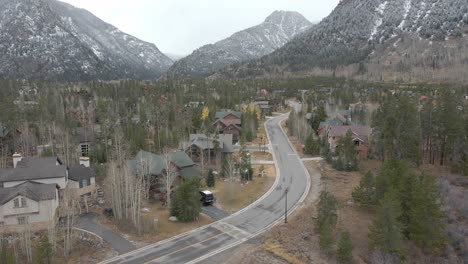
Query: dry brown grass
point(276, 249)
point(233, 196)
point(164, 227)
point(259, 155)
point(350, 216)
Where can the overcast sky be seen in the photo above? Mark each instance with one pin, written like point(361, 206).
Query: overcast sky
point(180, 26)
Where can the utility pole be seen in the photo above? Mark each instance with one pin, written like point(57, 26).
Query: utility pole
point(286, 205)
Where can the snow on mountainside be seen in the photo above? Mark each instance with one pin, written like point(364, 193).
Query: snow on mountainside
point(252, 43)
point(357, 30)
point(52, 40)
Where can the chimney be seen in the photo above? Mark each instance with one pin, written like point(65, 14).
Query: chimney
point(16, 158)
point(84, 161)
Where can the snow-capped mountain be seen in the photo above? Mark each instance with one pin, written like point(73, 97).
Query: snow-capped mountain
point(52, 40)
point(252, 43)
point(371, 36)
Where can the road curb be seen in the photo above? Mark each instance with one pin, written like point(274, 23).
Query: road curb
point(275, 184)
point(279, 220)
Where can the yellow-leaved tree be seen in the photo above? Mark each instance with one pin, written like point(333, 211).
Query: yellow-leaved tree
point(205, 113)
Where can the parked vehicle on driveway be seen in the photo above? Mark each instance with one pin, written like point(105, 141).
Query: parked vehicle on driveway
point(207, 197)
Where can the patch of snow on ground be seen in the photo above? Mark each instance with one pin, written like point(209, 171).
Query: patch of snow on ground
point(380, 9)
point(405, 15)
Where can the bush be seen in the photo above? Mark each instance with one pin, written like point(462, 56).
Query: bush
point(186, 205)
point(364, 194)
point(345, 248)
point(210, 179)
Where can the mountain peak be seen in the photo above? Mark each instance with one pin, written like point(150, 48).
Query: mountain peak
point(279, 15)
point(248, 44)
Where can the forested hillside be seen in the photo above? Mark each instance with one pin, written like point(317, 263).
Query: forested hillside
point(402, 40)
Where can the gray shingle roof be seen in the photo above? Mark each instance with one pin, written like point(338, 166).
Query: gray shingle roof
point(360, 131)
point(32, 190)
point(221, 115)
point(146, 162)
point(80, 172)
point(189, 172)
point(204, 142)
point(35, 162)
point(34, 169)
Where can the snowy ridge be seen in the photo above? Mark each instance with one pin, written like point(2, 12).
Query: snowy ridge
point(52, 40)
point(380, 10)
point(356, 29)
point(405, 15)
point(255, 42)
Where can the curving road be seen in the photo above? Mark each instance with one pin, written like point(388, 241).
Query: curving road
point(202, 243)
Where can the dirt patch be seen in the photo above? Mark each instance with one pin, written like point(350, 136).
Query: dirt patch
point(268, 170)
point(86, 254)
point(234, 195)
point(259, 155)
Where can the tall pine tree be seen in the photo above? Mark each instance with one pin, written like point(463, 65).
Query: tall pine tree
point(385, 233)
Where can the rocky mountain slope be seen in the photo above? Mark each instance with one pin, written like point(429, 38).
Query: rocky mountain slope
point(252, 43)
point(52, 40)
point(377, 40)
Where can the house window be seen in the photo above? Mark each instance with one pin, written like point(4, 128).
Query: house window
point(22, 220)
point(84, 183)
point(84, 150)
point(20, 203)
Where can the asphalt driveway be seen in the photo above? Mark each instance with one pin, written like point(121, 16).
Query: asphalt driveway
point(119, 243)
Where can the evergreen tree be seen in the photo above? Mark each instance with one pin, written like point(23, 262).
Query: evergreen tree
point(347, 157)
point(186, 204)
point(210, 179)
point(44, 252)
point(6, 255)
point(327, 210)
point(393, 175)
point(426, 224)
point(312, 147)
point(345, 248)
point(385, 233)
point(364, 194)
point(326, 220)
point(326, 239)
point(320, 115)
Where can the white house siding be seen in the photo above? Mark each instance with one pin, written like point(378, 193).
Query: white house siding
point(60, 181)
point(38, 213)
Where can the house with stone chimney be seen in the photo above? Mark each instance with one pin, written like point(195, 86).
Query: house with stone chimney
point(30, 192)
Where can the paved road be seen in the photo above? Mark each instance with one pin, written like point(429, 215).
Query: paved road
point(200, 244)
point(214, 212)
point(120, 244)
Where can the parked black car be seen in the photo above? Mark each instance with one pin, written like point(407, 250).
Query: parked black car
point(207, 197)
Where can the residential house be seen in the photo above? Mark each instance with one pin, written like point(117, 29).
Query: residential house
point(264, 107)
point(201, 146)
point(229, 123)
point(82, 178)
point(325, 125)
point(34, 186)
point(29, 203)
point(361, 135)
point(49, 170)
point(84, 138)
point(151, 165)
